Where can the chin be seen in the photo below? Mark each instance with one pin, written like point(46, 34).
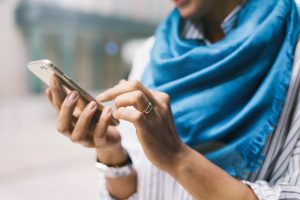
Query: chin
point(190, 13)
point(194, 9)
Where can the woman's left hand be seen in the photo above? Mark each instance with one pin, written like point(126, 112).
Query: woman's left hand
point(163, 147)
point(155, 130)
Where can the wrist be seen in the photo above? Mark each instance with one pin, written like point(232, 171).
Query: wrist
point(180, 161)
point(113, 157)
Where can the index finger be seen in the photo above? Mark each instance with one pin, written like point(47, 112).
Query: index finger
point(122, 88)
point(57, 92)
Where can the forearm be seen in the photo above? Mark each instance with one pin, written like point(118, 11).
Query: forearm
point(123, 187)
point(206, 181)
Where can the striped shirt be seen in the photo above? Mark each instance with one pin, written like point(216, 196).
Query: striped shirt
point(279, 175)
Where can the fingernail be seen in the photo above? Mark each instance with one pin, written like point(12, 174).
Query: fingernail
point(92, 105)
point(73, 96)
point(108, 110)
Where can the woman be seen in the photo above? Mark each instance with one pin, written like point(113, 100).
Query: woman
point(225, 67)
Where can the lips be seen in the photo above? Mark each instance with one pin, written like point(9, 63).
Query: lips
point(180, 2)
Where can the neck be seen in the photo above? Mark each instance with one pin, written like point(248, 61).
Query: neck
point(213, 19)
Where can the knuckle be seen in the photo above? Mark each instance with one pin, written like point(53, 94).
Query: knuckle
point(166, 97)
point(76, 137)
point(136, 84)
point(60, 127)
point(122, 81)
point(110, 92)
point(138, 96)
point(87, 145)
point(99, 134)
point(138, 117)
point(118, 101)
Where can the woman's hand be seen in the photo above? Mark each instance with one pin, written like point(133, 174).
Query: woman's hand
point(155, 130)
point(74, 121)
point(163, 147)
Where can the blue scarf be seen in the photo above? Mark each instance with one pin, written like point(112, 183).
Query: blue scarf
point(227, 97)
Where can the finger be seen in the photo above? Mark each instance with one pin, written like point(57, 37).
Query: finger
point(125, 87)
point(49, 95)
point(122, 81)
point(88, 143)
point(65, 117)
point(58, 93)
point(79, 108)
point(137, 99)
point(103, 123)
point(129, 114)
point(161, 96)
point(81, 129)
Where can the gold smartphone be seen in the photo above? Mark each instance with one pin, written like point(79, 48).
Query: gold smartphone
point(45, 69)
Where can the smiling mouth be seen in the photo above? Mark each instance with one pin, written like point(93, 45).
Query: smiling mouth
point(180, 3)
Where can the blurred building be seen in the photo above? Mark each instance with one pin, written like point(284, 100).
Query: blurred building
point(85, 38)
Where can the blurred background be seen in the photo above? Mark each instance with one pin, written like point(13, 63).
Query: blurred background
point(94, 42)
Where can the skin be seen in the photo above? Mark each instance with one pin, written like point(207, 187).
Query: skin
point(74, 122)
point(211, 13)
point(201, 178)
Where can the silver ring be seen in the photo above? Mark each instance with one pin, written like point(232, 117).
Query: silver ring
point(149, 108)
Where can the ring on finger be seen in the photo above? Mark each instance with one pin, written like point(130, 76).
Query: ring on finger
point(149, 108)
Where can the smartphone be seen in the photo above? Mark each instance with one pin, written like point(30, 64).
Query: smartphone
point(45, 69)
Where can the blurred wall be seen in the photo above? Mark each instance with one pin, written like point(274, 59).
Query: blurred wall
point(12, 52)
point(85, 38)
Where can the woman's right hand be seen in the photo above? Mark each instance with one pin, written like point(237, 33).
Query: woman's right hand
point(74, 121)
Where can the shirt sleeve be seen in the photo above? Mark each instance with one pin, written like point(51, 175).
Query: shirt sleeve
point(140, 61)
point(134, 149)
point(103, 193)
point(287, 187)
